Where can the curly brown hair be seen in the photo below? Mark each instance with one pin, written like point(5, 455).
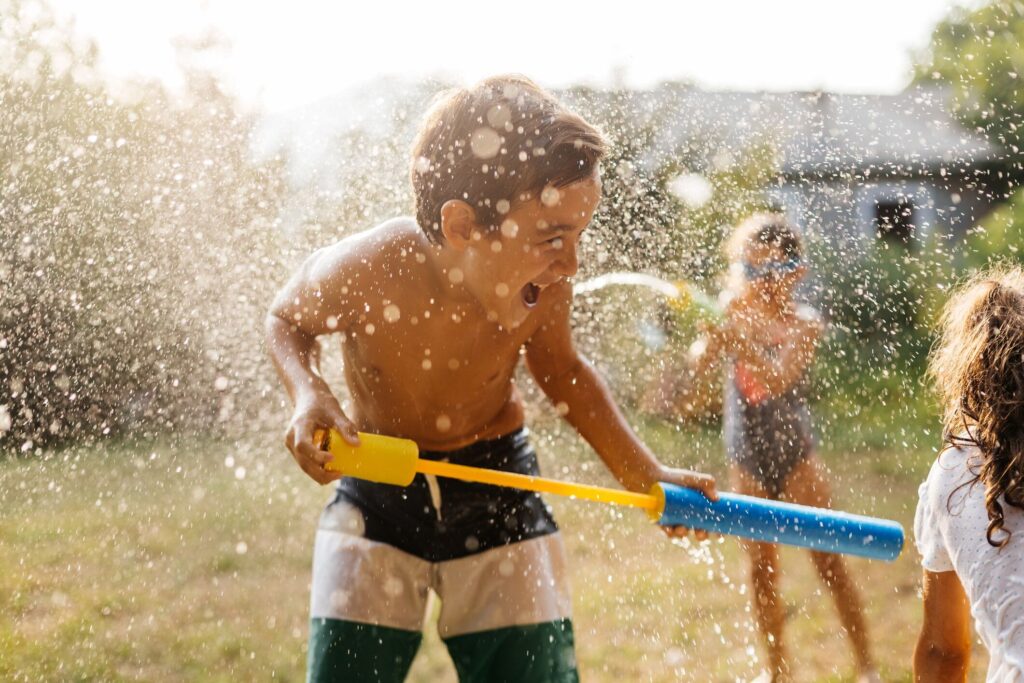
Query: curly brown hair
point(978, 369)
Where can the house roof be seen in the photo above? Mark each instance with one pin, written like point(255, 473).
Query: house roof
point(817, 134)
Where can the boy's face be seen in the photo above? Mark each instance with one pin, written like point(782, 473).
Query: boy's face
point(508, 270)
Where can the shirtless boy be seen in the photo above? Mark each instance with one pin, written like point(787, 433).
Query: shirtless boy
point(434, 312)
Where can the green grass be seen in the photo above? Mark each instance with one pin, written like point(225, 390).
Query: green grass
point(125, 563)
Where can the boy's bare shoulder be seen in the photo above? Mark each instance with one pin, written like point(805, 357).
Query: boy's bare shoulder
point(372, 252)
point(392, 237)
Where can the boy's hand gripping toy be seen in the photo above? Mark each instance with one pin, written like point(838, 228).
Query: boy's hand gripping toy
point(388, 460)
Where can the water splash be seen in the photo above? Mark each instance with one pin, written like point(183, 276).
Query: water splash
point(681, 293)
point(663, 287)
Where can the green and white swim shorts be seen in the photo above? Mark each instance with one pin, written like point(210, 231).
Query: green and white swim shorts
point(492, 555)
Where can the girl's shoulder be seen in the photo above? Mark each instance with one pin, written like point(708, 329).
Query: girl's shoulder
point(952, 472)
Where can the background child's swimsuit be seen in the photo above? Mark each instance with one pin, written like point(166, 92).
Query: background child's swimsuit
point(768, 436)
point(493, 555)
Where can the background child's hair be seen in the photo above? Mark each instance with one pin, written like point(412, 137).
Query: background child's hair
point(978, 368)
point(489, 144)
point(766, 228)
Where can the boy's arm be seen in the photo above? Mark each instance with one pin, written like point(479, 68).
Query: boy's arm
point(944, 646)
point(573, 385)
point(317, 300)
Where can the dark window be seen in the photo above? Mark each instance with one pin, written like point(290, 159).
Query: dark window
point(894, 221)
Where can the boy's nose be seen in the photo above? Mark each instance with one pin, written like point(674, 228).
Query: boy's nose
point(568, 261)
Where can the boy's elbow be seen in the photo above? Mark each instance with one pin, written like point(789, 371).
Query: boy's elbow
point(272, 320)
point(566, 373)
point(276, 327)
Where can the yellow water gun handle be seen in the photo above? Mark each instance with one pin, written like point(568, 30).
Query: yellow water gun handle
point(389, 460)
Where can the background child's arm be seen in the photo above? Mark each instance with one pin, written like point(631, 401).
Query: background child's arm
point(686, 386)
point(573, 385)
point(944, 646)
point(317, 300)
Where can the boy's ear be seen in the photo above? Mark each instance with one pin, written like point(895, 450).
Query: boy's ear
point(458, 221)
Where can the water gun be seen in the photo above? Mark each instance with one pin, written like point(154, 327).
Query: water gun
point(685, 314)
point(691, 306)
point(389, 460)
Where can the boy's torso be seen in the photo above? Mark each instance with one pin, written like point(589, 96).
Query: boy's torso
point(420, 364)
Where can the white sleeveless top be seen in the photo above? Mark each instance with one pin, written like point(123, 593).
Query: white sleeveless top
point(953, 539)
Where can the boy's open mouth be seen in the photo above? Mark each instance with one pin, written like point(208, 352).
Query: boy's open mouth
point(530, 294)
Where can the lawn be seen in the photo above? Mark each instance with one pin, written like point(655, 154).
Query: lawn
point(189, 561)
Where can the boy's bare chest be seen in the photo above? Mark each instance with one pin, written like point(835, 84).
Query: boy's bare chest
point(429, 347)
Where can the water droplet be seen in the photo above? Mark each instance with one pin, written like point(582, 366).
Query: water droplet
point(503, 206)
point(427, 364)
point(562, 408)
point(453, 364)
point(496, 246)
point(692, 189)
point(550, 196)
point(370, 328)
point(501, 289)
point(241, 548)
point(339, 599)
point(422, 164)
point(221, 383)
point(444, 423)
point(499, 115)
point(485, 142)
point(239, 472)
point(455, 276)
point(472, 543)
point(392, 313)
point(332, 322)
point(393, 586)
point(509, 228)
point(229, 461)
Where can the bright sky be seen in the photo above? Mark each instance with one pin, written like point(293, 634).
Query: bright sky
point(286, 54)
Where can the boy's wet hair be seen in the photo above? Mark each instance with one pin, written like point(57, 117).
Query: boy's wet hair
point(978, 368)
point(766, 228)
point(491, 143)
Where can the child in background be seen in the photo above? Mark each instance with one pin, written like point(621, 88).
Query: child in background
point(767, 344)
point(969, 525)
point(434, 313)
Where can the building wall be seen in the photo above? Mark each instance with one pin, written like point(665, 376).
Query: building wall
point(841, 214)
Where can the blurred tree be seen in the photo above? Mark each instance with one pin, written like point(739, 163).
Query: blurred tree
point(709, 205)
point(998, 237)
point(979, 52)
